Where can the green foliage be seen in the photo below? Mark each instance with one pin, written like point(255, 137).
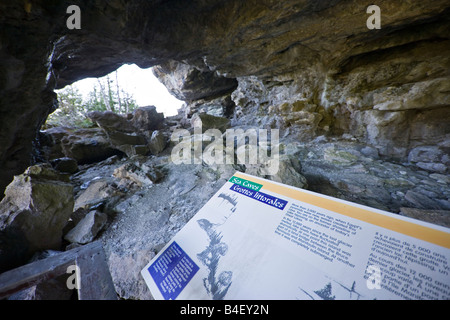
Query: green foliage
point(106, 95)
point(70, 112)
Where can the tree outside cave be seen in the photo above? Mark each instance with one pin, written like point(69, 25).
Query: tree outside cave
point(106, 95)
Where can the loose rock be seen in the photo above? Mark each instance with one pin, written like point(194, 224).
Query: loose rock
point(88, 228)
point(439, 217)
point(36, 207)
point(207, 121)
point(65, 165)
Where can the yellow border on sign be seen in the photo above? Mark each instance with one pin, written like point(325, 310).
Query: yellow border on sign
point(408, 228)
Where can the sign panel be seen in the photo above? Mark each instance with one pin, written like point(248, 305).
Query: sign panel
point(258, 239)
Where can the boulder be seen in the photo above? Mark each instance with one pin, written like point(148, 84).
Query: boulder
point(425, 154)
point(139, 174)
point(422, 201)
point(289, 172)
point(340, 157)
point(188, 83)
point(285, 169)
point(131, 133)
point(124, 269)
point(157, 143)
point(207, 121)
point(220, 107)
point(87, 146)
point(370, 152)
point(98, 193)
point(439, 217)
point(430, 158)
point(36, 207)
point(121, 132)
point(87, 229)
point(50, 145)
point(65, 165)
point(147, 119)
point(110, 121)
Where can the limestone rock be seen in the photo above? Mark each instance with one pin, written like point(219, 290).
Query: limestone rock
point(130, 134)
point(188, 83)
point(220, 107)
point(425, 154)
point(339, 157)
point(65, 165)
point(440, 178)
point(141, 175)
point(125, 268)
point(285, 169)
point(36, 207)
point(424, 94)
point(207, 121)
point(147, 119)
point(430, 158)
point(75, 218)
point(50, 142)
point(87, 146)
point(422, 201)
point(340, 169)
point(99, 192)
point(87, 229)
point(290, 173)
point(121, 133)
point(158, 142)
point(433, 167)
point(439, 217)
point(111, 121)
point(370, 152)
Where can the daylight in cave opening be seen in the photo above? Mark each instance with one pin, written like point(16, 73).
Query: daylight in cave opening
point(141, 84)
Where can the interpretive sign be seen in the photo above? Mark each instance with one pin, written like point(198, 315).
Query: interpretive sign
point(258, 239)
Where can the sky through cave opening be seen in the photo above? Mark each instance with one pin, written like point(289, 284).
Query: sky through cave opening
point(128, 83)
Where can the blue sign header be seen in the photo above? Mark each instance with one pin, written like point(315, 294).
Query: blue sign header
point(260, 196)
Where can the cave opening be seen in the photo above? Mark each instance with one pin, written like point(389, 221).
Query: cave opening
point(121, 91)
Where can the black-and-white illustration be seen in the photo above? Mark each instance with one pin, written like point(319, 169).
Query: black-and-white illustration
point(325, 292)
point(216, 285)
point(230, 199)
point(334, 290)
